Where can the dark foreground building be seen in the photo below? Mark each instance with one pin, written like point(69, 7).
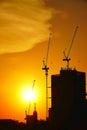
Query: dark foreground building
point(9, 124)
point(69, 106)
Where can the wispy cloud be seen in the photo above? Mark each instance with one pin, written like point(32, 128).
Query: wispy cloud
point(23, 24)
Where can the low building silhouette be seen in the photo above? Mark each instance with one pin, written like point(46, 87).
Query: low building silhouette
point(9, 124)
point(33, 118)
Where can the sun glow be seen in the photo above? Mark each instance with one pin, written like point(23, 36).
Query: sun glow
point(28, 94)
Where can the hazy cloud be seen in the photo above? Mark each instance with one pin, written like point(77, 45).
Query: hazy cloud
point(23, 24)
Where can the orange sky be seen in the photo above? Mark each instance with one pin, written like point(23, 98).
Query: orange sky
point(24, 31)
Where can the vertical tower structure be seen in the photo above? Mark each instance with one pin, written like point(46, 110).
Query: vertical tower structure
point(68, 92)
point(46, 68)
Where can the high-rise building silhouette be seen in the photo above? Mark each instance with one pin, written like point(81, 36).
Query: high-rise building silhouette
point(68, 91)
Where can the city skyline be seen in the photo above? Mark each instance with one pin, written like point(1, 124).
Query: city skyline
point(24, 34)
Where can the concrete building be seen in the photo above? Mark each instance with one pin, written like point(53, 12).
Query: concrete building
point(68, 91)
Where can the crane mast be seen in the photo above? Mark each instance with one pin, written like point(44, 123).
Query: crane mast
point(46, 68)
point(30, 101)
point(66, 57)
point(28, 109)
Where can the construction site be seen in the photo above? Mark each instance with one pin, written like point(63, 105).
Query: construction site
point(68, 98)
point(68, 95)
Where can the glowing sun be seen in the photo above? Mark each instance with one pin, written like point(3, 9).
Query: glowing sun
point(28, 94)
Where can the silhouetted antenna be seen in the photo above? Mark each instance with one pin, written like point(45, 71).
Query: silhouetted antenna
point(26, 112)
point(66, 57)
point(46, 68)
point(34, 106)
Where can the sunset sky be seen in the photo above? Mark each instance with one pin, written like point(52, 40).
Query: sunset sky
point(25, 26)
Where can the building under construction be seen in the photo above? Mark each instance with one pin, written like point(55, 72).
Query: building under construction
point(31, 118)
point(68, 95)
point(68, 91)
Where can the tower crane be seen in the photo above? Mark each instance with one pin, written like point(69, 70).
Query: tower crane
point(28, 110)
point(30, 101)
point(46, 68)
point(66, 57)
